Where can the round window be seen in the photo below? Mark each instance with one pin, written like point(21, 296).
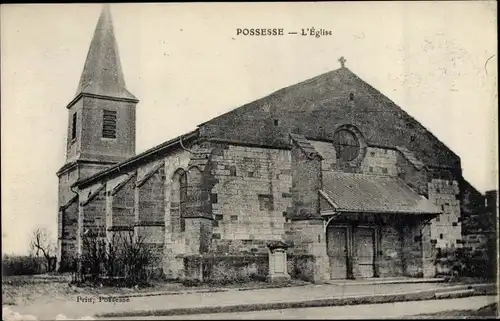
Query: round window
point(346, 145)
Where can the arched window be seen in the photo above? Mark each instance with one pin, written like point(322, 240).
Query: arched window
point(178, 200)
point(182, 199)
point(346, 145)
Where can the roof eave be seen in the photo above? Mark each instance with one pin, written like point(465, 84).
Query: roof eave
point(135, 159)
point(110, 97)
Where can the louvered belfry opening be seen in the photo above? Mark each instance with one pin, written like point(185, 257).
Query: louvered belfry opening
point(109, 124)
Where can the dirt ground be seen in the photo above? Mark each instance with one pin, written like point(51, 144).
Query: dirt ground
point(25, 289)
point(489, 311)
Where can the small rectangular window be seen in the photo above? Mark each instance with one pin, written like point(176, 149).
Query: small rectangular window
point(109, 124)
point(73, 127)
point(441, 236)
point(266, 202)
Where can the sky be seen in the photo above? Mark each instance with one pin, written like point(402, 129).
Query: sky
point(185, 63)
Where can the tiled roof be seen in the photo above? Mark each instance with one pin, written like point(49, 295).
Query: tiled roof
point(348, 192)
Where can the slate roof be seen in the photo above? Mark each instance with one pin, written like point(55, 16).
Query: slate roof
point(102, 73)
point(315, 108)
point(348, 192)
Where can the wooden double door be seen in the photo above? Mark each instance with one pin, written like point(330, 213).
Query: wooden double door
point(351, 251)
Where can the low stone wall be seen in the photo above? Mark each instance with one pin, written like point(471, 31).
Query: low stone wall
point(224, 246)
point(225, 269)
point(240, 268)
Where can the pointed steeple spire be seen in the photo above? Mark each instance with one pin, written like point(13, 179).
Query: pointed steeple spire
point(102, 73)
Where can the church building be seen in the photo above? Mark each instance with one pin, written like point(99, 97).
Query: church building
point(329, 166)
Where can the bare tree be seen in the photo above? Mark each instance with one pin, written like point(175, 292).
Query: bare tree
point(42, 243)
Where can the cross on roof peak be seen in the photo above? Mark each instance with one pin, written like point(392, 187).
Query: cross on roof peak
point(342, 61)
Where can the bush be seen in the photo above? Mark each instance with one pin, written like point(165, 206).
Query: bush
point(23, 265)
point(303, 267)
point(123, 261)
point(458, 262)
point(223, 273)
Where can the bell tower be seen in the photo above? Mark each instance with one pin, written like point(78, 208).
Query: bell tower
point(101, 117)
point(101, 125)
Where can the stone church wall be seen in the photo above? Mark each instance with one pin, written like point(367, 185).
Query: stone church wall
point(251, 197)
point(175, 239)
point(69, 228)
point(94, 214)
point(381, 161)
point(92, 218)
point(150, 209)
point(377, 161)
point(74, 147)
point(93, 146)
point(65, 181)
point(446, 228)
point(122, 205)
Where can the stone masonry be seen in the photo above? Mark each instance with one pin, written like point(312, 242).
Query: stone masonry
point(150, 209)
point(446, 228)
point(256, 174)
point(252, 195)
